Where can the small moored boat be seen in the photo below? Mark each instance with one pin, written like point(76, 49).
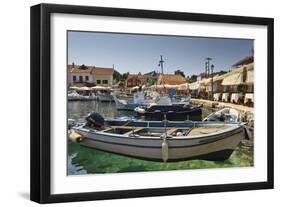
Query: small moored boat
point(74, 96)
point(224, 115)
point(160, 140)
point(172, 112)
point(137, 100)
point(105, 97)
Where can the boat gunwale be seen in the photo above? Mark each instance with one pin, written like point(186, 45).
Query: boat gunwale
point(232, 128)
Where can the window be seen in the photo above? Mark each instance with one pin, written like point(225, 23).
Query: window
point(104, 81)
point(74, 78)
point(80, 79)
point(86, 78)
point(98, 81)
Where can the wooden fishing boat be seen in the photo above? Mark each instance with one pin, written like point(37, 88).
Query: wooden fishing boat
point(160, 140)
point(74, 96)
point(129, 104)
point(105, 97)
point(173, 112)
point(224, 115)
point(104, 94)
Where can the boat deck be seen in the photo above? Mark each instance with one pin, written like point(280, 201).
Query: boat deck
point(160, 131)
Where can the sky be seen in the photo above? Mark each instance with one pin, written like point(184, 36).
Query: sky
point(136, 53)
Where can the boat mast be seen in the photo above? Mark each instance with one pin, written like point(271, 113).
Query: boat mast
point(161, 64)
point(207, 66)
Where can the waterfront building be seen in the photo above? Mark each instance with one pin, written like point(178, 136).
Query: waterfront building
point(134, 80)
point(170, 79)
point(139, 79)
point(240, 79)
point(82, 74)
point(235, 86)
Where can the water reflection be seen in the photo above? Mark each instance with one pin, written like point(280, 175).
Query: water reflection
point(83, 160)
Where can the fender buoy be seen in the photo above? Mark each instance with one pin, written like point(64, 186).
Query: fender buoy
point(165, 150)
point(75, 137)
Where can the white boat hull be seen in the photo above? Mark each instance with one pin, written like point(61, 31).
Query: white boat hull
point(208, 147)
point(81, 98)
point(105, 98)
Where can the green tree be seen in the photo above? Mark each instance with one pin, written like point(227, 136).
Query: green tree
point(242, 88)
point(125, 76)
point(117, 76)
point(193, 78)
point(83, 67)
point(179, 72)
point(122, 84)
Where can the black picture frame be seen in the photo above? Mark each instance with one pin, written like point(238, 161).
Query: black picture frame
point(41, 98)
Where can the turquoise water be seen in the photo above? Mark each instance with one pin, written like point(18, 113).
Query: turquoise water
point(82, 160)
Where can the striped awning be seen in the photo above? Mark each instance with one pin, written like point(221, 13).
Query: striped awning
point(233, 79)
point(250, 77)
point(205, 81)
point(194, 86)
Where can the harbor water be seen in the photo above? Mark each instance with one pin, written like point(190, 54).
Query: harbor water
point(82, 160)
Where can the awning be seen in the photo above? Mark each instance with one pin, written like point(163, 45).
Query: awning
point(194, 86)
point(250, 77)
point(100, 88)
point(206, 81)
point(233, 79)
point(74, 87)
point(84, 88)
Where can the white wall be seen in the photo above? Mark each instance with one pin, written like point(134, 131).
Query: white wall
point(90, 76)
point(14, 41)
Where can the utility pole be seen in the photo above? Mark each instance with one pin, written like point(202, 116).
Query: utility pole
point(161, 64)
point(206, 69)
point(212, 81)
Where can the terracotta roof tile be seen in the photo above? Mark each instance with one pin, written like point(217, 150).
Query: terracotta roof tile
point(90, 69)
point(102, 71)
point(171, 79)
point(141, 77)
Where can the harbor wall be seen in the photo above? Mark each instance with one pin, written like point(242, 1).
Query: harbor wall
point(247, 113)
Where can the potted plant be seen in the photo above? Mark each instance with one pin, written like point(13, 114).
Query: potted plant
point(242, 89)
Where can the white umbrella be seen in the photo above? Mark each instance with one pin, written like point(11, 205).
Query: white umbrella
point(84, 88)
point(157, 86)
point(73, 87)
point(170, 86)
point(134, 88)
point(100, 88)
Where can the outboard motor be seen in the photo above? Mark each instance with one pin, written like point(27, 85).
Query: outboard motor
point(95, 120)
